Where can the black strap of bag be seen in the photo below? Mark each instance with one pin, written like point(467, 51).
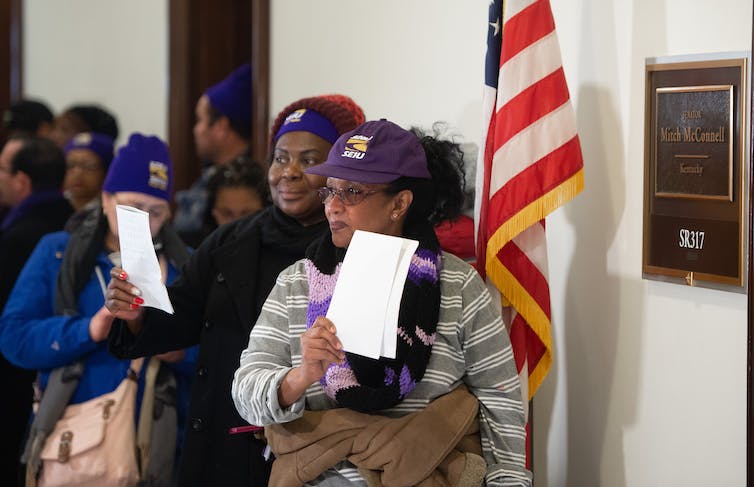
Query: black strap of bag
point(60, 387)
point(160, 464)
point(57, 396)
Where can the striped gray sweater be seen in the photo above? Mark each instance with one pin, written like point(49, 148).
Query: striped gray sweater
point(471, 346)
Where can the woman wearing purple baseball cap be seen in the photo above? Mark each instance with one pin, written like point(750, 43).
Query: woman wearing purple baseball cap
point(338, 418)
point(87, 158)
point(223, 287)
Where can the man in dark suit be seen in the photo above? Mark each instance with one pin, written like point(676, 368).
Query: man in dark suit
point(31, 175)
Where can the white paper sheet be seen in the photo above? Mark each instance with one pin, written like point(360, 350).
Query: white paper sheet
point(139, 259)
point(389, 339)
point(367, 296)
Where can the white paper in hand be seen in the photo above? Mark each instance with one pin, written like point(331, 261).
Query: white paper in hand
point(139, 259)
point(367, 296)
point(389, 336)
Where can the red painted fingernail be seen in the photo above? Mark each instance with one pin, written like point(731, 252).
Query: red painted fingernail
point(123, 276)
point(138, 300)
point(133, 306)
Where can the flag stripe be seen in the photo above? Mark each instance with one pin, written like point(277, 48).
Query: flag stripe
point(523, 338)
point(531, 145)
point(543, 205)
point(513, 7)
point(529, 310)
point(531, 104)
point(535, 349)
point(526, 27)
point(527, 67)
point(533, 243)
point(543, 176)
point(513, 259)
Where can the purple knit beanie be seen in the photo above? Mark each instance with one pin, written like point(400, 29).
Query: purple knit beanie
point(232, 96)
point(143, 165)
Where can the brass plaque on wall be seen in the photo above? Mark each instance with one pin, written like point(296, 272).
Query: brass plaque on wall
point(694, 149)
point(693, 177)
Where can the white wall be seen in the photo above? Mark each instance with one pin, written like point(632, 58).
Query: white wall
point(109, 52)
point(648, 387)
point(649, 382)
point(415, 62)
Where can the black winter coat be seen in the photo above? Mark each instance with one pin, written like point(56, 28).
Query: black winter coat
point(217, 300)
point(16, 245)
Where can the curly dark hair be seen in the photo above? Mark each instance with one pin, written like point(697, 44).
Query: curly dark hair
point(96, 118)
point(26, 116)
point(442, 197)
point(242, 172)
point(341, 110)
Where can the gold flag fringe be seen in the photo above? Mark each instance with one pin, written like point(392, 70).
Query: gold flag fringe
point(510, 288)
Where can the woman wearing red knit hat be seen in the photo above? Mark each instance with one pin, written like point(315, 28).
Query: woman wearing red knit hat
point(222, 289)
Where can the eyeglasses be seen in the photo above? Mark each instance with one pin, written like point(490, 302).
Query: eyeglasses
point(348, 196)
point(88, 166)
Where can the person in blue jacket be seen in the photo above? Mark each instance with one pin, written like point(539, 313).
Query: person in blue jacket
point(55, 315)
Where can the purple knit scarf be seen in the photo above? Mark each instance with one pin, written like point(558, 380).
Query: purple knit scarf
point(366, 384)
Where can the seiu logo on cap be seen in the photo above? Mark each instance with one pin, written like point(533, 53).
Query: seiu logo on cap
point(295, 116)
point(356, 147)
point(158, 175)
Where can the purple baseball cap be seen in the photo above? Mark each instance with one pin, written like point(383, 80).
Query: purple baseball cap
point(102, 145)
point(377, 151)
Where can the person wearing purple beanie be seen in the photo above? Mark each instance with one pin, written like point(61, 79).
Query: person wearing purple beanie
point(55, 315)
point(222, 132)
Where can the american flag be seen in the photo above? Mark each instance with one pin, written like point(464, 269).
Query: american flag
point(531, 164)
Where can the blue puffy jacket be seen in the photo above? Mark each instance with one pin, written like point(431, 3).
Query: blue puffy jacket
point(33, 337)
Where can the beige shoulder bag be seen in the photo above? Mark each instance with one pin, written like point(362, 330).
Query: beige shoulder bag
point(94, 442)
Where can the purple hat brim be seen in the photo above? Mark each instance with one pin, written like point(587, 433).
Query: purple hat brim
point(351, 174)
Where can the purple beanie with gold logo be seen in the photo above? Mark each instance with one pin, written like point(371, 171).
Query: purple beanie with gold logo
point(143, 165)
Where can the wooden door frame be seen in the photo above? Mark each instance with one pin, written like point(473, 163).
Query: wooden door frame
point(11, 53)
point(750, 303)
point(206, 42)
point(260, 68)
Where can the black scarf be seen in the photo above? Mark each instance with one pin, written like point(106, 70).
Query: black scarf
point(286, 234)
point(366, 384)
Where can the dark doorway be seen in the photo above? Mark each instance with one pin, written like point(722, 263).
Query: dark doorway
point(11, 54)
point(207, 41)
